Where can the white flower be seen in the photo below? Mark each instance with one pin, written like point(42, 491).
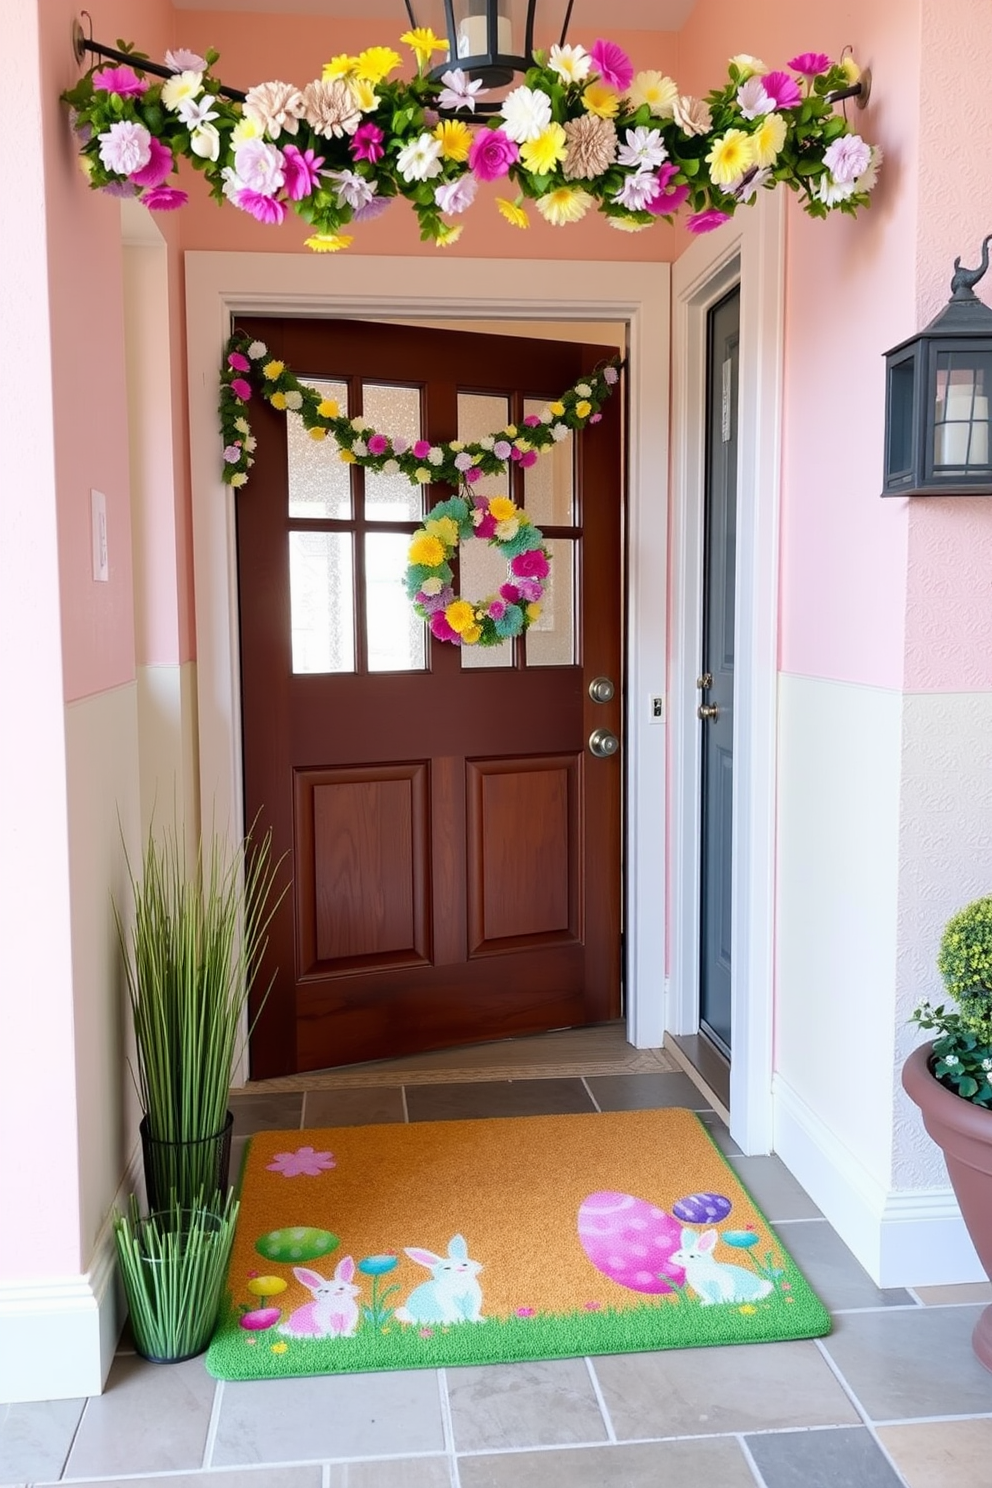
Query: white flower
point(571, 63)
point(455, 196)
point(359, 447)
point(458, 92)
point(358, 423)
point(487, 442)
point(747, 65)
point(560, 432)
point(644, 149)
point(526, 114)
point(655, 90)
point(275, 106)
point(636, 191)
point(256, 350)
point(294, 400)
point(246, 129)
point(847, 158)
point(752, 100)
point(435, 456)
point(867, 179)
point(195, 112)
point(583, 389)
point(125, 147)
point(750, 184)
point(951, 1059)
point(421, 159)
point(391, 467)
point(251, 443)
point(507, 531)
point(183, 60)
point(830, 192)
point(184, 85)
point(242, 425)
point(260, 166)
point(352, 189)
point(987, 1065)
point(232, 183)
point(431, 586)
point(205, 142)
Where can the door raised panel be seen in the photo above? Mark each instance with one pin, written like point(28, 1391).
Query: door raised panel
point(522, 840)
point(362, 867)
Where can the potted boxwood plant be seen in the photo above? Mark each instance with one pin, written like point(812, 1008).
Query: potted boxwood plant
point(950, 1079)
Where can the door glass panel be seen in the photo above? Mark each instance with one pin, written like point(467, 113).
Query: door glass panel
point(549, 486)
point(319, 485)
point(321, 589)
point(395, 412)
point(482, 570)
point(396, 636)
point(551, 638)
point(479, 416)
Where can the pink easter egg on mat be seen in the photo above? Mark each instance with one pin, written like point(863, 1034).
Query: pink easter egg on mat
point(630, 1241)
point(260, 1319)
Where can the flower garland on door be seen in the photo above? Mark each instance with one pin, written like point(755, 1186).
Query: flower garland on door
point(583, 130)
point(247, 367)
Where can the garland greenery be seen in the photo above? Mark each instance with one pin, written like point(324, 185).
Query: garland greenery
point(582, 131)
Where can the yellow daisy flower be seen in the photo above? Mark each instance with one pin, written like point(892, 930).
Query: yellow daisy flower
point(278, 400)
point(239, 479)
point(502, 508)
point(533, 612)
point(327, 408)
point(768, 139)
point(541, 155)
point(455, 137)
point(341, 66)
point(318, 433)
point(600, 100)
point(364, 94)
point(273, 369)
point(513, 212)
point(423, 42)
point(557, 409)
point(564, 204)
point(627, 224)
point(732, 154)
point(376, 63)
point(329, 242)
point(460, 615)
point(583, 409)
point(426, 549)
point(246, 129)
point(448, 235)
point(655, 90)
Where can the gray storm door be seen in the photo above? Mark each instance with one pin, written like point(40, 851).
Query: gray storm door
point(716, 683)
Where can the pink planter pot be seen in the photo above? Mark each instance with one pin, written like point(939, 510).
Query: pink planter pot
point(963, 1132)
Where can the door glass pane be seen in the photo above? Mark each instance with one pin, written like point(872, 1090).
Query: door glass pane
point(549, 486)
point(395, 412)
point(551, 638)
point(319, 485)
point(482, 570)
point(479, 416)
point(396, 636)
point(321, 588)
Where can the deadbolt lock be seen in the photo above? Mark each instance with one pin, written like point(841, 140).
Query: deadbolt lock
point(601, 690)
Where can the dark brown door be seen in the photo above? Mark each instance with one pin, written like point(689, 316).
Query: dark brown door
point(455, 846)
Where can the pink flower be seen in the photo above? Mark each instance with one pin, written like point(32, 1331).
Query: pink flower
point(525, 1312)
point(530, 565)
point(782, 89)
point(531, 589)
point(664, 203)
point(262, 208)
point(378, 444)
point(501, 449)
point(232, 454)
point(810, 63)
point(440, 628)
point(510, 593)
point(238, 362)
point(366, 143)
point(241, 389)
point(593, 1306)
point(164, 198)
point(612, 64)
point(847, 158)
point(421, 449)
point(701, 222)
point(595, 418)
point(426, 1333)
point(400, 445)
point(304, 1162)
point(528, 458)
point(302, 171)
point(473, 475)
point(158, 168)
point(532, 420)
point(497, 609)
point(120, 80)
point(487, 527)
point(491, 154)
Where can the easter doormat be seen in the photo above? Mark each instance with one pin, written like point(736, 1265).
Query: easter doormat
point(472, 1242)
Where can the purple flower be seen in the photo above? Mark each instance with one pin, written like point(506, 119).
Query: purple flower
point(183, 60)
point(163, 198)
point(262, 208)
point(238, 362)
point(491, 154)
point(366, 143)
point(637, 190)
point(158, 167)
point(455, 196)
point(458, 92)
point(232, 453)
point(421, 449)
point(378, 444)
point(501, 449)
point(782, 89)
point(847, 158)
point(121, 188)
point(120, 80)
point(530, 565)
point(701, 222)
point(473, 475)
point(241, 389)
point(612, 64)
point(301, 169)
point(810, 63)
point(125, 147)
point(304, 1162)
point(531, 589)
point(371, 210)
point(463, 461)
point(611, 375)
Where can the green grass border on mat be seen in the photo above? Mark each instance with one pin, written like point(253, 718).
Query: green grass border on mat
point(647, 1327)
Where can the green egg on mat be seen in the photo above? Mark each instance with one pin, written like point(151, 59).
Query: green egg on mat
point(299, 1243)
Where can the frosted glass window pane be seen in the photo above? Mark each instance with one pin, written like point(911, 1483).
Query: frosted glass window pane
point(396, 636)
point(321, 589)
point(549, 488)
point(319, 485)
point(482, 570)
point(551, 638)
point(479, 415)
point(393, 411)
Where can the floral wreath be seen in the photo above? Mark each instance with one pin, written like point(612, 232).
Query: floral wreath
point(583, 130)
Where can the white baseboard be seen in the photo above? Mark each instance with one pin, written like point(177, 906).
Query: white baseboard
point(902, 1237)
point(60, 1333)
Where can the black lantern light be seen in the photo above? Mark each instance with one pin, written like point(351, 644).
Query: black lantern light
point(483, 39)
point(938, 386)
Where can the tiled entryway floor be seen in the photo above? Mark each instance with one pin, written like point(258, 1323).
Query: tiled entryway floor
point(894, 1396)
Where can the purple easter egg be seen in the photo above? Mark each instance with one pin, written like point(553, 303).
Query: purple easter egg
point(630, 1241)
point(702, 1208)
point(260, 1319)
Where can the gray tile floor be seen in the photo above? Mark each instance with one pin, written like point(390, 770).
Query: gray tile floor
point(894, 1396)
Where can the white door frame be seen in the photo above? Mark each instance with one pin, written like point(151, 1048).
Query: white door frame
point(221, 284)
point(749, 250)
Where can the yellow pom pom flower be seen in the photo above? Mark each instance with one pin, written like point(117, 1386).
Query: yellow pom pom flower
point(513, 212)
point(426, 549)
point(541, 155)
point(278, 400)
point(445, 529)
point(471, 635)
point(502, 508)
point(273, 369)
point(346, 457)
point(376, 63)
point(423, 475)
point(317, 433)
point(328, 408)
point(456, 139)
point(732, 154)
point(460, 616)
point(583, 408)
point(533, 612)
point(600, 100)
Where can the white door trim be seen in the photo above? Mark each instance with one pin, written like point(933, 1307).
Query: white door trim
point(750, 250)
point(221, 284)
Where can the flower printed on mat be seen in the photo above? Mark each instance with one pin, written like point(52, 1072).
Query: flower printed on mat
point(304, 1162)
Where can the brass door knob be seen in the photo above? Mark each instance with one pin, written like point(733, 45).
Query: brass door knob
point(708, 710)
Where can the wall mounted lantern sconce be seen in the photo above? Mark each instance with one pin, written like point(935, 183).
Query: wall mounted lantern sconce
point(937, 390)
point(481, 40)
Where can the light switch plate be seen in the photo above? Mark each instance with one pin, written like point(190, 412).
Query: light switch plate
point(98, 515)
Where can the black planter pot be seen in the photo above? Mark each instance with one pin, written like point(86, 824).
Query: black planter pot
point(191, 1171)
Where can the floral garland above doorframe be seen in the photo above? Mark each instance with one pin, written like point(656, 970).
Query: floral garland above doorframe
point(247, 367)
point(583, 130)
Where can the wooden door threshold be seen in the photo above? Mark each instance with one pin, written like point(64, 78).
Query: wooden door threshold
point(707, 1068)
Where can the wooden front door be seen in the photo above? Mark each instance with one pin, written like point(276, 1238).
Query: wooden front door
point(455, 847)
